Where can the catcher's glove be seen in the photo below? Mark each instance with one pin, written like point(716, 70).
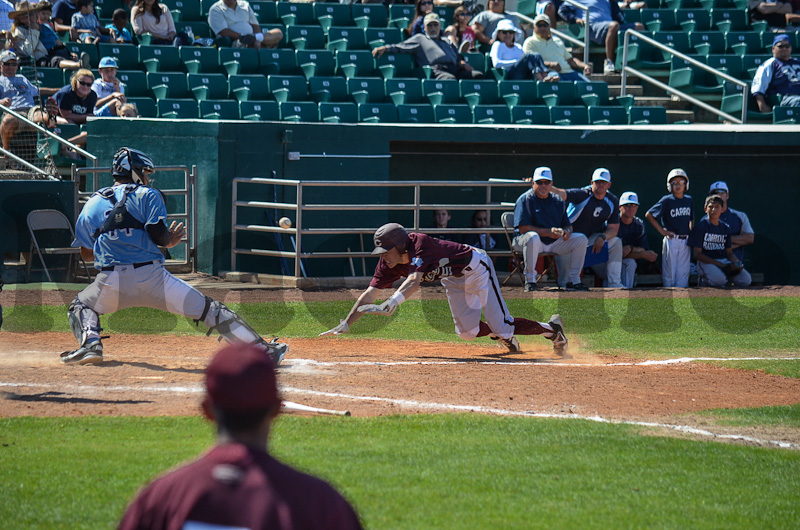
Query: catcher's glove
point(732, 269)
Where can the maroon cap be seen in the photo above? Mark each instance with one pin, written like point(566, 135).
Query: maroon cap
point(241, 378)
point(389, 236)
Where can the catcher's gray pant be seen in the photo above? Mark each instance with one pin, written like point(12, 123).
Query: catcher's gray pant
point(531, 245)
point(148, 286)
point(716, 277)
point(478, 289)
point(675, 254)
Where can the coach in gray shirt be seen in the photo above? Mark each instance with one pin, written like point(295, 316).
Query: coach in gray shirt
point(430, 49)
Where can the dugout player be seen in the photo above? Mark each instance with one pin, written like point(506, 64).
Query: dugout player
point(673, 217)
point(238, 484)
point(121, 228)
point(711, 239)
point(468, 277)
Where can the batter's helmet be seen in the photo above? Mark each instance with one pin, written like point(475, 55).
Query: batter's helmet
point(389, 236)
point(675, 173)
point(132, 163)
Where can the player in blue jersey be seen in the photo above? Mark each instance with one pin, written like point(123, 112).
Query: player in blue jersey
point(711, 239)
point(742, 233)
point(633, 236)
point(673, 217)
point(779, 74)
point(541, 225)
point(122, 228)
point(594, 212)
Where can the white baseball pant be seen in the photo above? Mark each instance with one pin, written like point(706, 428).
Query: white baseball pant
point(716, 278)
point(675, 254)
point(574, 248)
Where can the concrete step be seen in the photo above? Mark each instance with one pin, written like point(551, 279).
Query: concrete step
point(660, 101)
point(634, 90)
point(680, 115)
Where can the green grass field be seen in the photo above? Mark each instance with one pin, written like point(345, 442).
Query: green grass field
point(452, 470)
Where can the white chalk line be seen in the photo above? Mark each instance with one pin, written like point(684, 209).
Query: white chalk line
point(543, 362)
point(197, 389)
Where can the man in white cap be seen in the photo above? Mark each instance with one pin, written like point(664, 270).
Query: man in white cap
point(741, 232)
point(541, 225)
point(557, 58)
point(633, 236)
point(594, 212)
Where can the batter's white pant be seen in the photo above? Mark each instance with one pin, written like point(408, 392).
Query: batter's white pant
point(611, 271)
point(531, 245)
point(716, 278)
point(628, 272)
point(478, 290)
point(675, 254)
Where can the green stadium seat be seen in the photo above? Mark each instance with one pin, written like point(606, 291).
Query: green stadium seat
point(146, 107)
point(278, 61)
point(248, 88)
point(647, 116)
point(316, 63)
point(197, 59)
point(127, 55)
point(266, 12)
point(160, 58)
point(657, 20)
point(478, 91)
point(569, 115)
point(197, 29)
point(637, 50)
point(220, 109)
point(439, 91)
point(731, 65)
point(517, 92)
point(81, 47)
point(742, 43)
point(287, 88)
point(296, 14)
point(608, 116)
point(135, 82)
point(329, 14)
point(259, 110)
point(530, 115)
point(489, 114)
point(693, 19)
point(477, 60)
point(177, 108)
point(660, 60)
point(235, 61)
point(366, 89)
point(299, 111)
point(592, 94)
point(370, 15)
point(452, 113)
point(707, 42)
point(189, 9)
point(727, 20)
point(346, 38)
point(381, 36)
point(401, 15)
point(415, 113)
point(208, 86)
point(395, 65)
point(171, 85)
point(306, 37)
point(785, 115)
point(328, 89)
point(632, 15)
point(48, 77)
point(355, 63)
point(446, 13)
point(561, 93)
point(750, 64)
point(377, 113)
point(404, 90)
point(338, 112)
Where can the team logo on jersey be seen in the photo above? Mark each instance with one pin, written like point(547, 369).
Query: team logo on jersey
point(598, 211)
point(417, 262)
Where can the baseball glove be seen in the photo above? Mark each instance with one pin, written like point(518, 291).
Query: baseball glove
point(732, 269)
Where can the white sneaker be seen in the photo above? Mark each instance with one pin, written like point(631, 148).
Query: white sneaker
point(608, 67)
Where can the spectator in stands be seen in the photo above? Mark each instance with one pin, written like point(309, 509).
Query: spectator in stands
point(62, 17)
point(110, 92)
point(594, 212)
point(485, 22)
point(151, 17)
point(742, 233)
point(87, 24)
point(459, 33)
point(77, 101)
point(6, 7)
point(430, 49)
point(604, 25)
point(238, 484)
point(562, 66)
point(58, 56)
point(507, 54)
point(632, 4)
point(549, 8)
point(776, 14)
point(128, 110)
point(778, 75)
point(716, 263)
point(25, 39)
point(17, 93)
point(541, 225)
point(634, 238)
point(235, 24)
point(441, 219)
point(119, 27)
point(423, 7)
point(480, 219)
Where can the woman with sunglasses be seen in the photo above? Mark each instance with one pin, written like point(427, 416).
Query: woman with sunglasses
point(77, 100)
point(423, 7)
point(459, 33)
point(507, 55)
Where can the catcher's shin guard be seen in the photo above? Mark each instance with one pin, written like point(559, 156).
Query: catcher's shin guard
point(233, 328)
point(83, 320)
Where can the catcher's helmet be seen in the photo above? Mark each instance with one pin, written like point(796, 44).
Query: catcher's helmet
point(675, 173)
point(132, 163)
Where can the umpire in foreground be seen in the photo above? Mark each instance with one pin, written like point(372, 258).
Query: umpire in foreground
point(237, 484)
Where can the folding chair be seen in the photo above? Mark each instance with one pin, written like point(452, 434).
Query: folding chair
point(51, 220)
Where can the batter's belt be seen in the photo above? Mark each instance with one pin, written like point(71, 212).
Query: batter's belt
point(135, 265)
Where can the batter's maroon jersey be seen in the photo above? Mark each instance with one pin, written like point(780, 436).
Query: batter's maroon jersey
point(235, 485)
point(434, 258)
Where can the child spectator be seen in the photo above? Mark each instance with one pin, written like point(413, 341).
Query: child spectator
point(711, 239)
point(58, 55)
point(110, 92)
point(128, 110)
point(674, 212)
point(459, 33)
point(87, 25)
point(119, 27)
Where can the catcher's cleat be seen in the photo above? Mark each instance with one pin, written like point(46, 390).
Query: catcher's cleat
point(558, 338)
point(511, 343)
point(276, 350)
point(92, 353)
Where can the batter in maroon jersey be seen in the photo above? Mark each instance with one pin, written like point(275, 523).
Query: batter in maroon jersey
point(237, 484)
point(468, 277)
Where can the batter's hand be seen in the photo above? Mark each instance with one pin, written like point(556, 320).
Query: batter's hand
point(176, 233)
point(384, 309)
point(343, 327)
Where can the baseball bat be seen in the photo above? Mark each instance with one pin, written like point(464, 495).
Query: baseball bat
point(297, 407)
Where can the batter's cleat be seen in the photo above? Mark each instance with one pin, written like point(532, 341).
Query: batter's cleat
point(580, 286)
point(511, 343)
point(558, 338)
point(276, 350)
point(92, 353)
point(529, 287)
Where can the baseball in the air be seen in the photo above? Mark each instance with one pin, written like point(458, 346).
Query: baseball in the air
point(285, 222)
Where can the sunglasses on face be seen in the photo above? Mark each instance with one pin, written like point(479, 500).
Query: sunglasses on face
point(9, 64)
point(542, 25)
point(506, 32)
point(463, 14)
point(84, 83)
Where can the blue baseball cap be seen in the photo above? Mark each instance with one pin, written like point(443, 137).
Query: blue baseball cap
point(783, 37)
point(108, 62)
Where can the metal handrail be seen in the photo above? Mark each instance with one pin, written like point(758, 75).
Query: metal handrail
point(50, 134)
point(586, 43)
point(675, 91)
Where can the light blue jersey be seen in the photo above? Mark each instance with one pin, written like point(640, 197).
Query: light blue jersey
point(125, 246)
